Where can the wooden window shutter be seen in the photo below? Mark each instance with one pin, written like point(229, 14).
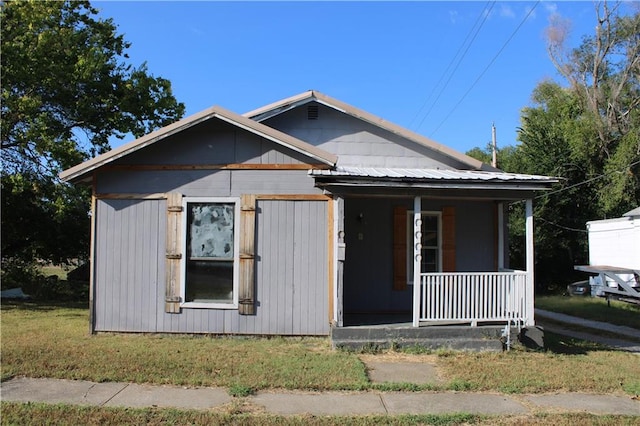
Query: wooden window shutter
point(247, 255)
point(173, 253)
point(448, 239)
point(400, 248)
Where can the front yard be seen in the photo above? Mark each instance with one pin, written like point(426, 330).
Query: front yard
point(53, 341)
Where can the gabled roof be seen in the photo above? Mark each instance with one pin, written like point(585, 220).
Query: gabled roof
point(287, 104)
point(83, 170)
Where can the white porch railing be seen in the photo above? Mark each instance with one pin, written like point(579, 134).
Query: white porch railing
point(475, 297)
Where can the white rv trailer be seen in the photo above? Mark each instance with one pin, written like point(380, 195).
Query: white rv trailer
point(614, 255)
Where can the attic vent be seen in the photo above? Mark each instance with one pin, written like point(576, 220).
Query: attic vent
point(312, 112)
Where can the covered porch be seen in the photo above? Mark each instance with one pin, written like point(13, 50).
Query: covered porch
point(455, 249)
point(475, 297)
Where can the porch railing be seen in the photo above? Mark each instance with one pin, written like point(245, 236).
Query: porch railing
point(474, 297)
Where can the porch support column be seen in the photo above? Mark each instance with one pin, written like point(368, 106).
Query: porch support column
point(417, 256)
point(500, 236)
point(339, 256)
point(530, 262)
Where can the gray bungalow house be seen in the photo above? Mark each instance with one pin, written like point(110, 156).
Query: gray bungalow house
point(297, 218)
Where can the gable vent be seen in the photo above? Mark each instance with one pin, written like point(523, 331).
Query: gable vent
point(312, 112)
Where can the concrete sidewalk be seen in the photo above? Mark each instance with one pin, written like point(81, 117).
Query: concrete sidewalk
point(314, 403)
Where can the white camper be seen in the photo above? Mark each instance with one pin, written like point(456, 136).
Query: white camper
point(614, 254)
point(616, 241)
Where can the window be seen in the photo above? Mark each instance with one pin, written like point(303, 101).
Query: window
point(431, 240)
point(209, 267)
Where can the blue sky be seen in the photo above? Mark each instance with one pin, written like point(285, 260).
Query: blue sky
point(389, 58)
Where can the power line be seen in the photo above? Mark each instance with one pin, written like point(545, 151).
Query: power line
point(486, 68)
point(557, 225)
point(546, 194)
point(484, 14)
point(566, 228)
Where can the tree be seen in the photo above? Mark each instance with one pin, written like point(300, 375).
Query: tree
point(552, 137)
point(66, 91)
point(587, 134)
point(604, 74)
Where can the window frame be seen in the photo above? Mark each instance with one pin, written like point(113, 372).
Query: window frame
point(423, 213)
point(236, 252)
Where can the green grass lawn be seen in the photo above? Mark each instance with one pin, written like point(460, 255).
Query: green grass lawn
point(54, 341)
point(593, 308)
point(241, 413)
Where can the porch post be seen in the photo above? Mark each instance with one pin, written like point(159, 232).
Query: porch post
point(500, 236)
point(530, 262)
point(417, 248)
point(339, 255)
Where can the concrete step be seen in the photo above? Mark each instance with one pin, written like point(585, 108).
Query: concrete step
point(485, 338)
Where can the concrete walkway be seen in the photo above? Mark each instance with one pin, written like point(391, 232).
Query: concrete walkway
point(314, 403)
point(614, 336)
point(567, 319)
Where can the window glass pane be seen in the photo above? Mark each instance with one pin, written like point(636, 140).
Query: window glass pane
point(209, 281)
point(429, 260)
point(210, 252)
point(210, 230)
point(429, 231)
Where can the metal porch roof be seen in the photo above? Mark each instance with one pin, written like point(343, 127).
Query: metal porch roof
point(429, 174)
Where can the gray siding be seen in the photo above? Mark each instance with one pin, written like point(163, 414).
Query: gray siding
point(356, 142)
point(291, 272)
point(368, 280)
point(292, 257)
point(214, 142)
point(208, 183)
point(129, 267)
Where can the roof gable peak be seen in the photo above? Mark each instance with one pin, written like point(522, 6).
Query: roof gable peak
point(287, 104)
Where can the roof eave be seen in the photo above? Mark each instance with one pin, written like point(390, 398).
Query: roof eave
point(432, 184)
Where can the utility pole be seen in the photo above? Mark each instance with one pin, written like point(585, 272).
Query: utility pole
point(494, 147)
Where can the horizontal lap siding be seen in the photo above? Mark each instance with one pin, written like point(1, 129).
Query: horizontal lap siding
point(272, 182)
point(197, 182)
point(208, 183)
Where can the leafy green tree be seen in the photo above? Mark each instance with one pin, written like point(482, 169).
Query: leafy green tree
point(604, 74)
point(587, 134)
point(67, 89)
point(552, 136)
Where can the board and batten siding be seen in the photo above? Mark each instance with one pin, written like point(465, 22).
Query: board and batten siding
point(291, 272)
